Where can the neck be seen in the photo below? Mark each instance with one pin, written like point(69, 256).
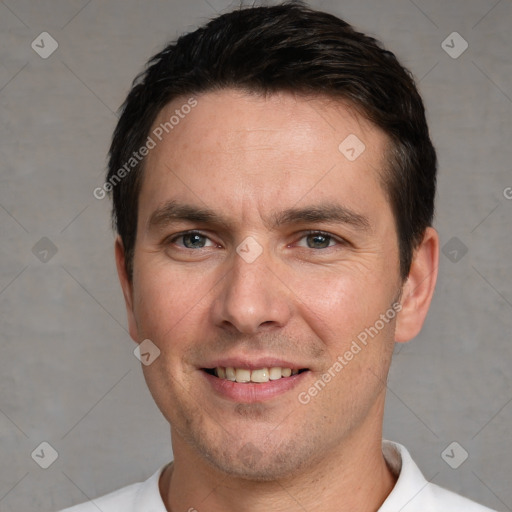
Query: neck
point(351, 477)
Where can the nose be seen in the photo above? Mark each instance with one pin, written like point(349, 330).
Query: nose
point(251, 297)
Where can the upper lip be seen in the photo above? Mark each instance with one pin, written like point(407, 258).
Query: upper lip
point(253, 363)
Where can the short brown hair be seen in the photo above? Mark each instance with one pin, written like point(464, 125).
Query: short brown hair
point(286, 47)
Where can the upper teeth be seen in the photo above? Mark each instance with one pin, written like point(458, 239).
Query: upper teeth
point(259, 375)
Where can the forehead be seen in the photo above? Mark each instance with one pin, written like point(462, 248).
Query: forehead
point(231, 119)
point(236, 151)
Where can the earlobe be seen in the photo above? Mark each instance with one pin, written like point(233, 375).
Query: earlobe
point(419, 288)
point(127, 287)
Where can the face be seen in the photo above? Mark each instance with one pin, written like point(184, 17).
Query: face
point(263, 248)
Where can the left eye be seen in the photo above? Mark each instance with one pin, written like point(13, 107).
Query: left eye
point(318, 240)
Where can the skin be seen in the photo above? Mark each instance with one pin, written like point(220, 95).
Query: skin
point(304, 299)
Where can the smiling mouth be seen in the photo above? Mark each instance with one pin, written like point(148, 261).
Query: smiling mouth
point(259, 376)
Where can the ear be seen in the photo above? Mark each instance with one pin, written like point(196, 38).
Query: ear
point(127, 286)
point(419, 287)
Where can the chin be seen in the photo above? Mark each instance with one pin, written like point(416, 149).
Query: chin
point(263, 463)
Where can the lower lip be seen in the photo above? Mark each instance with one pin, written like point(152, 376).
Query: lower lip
point(253, 392)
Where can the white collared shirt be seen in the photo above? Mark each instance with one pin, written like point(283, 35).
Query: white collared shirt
point(412, 492)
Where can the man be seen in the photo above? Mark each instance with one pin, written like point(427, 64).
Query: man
point(273, 183)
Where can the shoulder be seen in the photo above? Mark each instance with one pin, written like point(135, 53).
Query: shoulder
point(449, 500)
point(122, 499)
point(413, 493)
point(132, 498)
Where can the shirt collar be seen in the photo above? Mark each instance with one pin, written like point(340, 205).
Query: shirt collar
point(410, 482)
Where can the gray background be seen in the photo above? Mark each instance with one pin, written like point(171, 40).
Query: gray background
point(68, 375)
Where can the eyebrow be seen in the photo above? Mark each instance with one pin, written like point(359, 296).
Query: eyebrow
point(174, 211)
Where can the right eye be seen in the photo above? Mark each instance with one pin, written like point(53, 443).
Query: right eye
point(192, 240)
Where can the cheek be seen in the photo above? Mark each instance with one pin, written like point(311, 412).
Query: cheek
point(341, 309)
point(166, 300)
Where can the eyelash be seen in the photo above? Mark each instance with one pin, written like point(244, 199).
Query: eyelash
point(340, 241)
